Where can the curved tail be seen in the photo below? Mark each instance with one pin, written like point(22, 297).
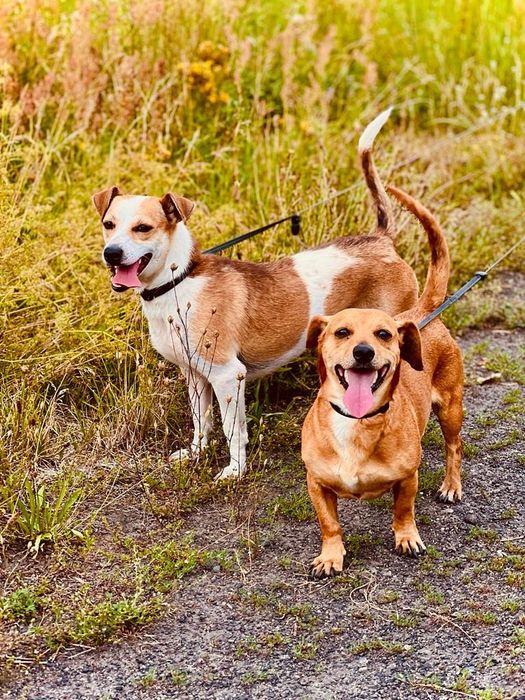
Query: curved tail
point(385, 218)
point(438, 271)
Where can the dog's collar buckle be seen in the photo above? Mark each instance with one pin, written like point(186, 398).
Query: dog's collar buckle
point(155, 292)
point(381, 409)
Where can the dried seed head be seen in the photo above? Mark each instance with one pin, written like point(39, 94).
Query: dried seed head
point(173, 267)
point(213, 310)
point(188, 305)
point(240, 377)
point(170, 319)
point(207, 345)
point(229, 399)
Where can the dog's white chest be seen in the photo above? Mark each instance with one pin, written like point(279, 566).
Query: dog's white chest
point(349, 459)
point(355, 473)
point(169, 319)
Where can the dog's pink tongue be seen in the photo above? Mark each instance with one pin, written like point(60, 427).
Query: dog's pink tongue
point(358, 398)
point(127, 275)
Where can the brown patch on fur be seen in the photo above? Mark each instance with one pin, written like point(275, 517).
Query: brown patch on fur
point(102, 200)
point(370, 282)
point(177, 207)
point(260, 317)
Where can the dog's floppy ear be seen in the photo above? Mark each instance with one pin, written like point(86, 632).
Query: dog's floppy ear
point(177, 208)
point(103, 199)
point(316, 327)
point(410, 341)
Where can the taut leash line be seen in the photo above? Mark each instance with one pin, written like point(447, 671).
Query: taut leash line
point(467, 286)
point(295, 220)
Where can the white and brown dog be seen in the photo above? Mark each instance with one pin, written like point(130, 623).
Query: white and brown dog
point(224, 321)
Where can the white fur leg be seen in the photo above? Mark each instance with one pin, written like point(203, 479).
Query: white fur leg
point(182, 455)
point(229, 391)
point(200, 393)
point(231, 471)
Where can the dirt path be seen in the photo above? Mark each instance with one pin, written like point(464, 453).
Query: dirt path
point(448, 625)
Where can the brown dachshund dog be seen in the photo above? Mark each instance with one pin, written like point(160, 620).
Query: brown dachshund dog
point(380, 378)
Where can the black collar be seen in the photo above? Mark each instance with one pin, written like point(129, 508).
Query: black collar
point(382, 409)
point(150, 294)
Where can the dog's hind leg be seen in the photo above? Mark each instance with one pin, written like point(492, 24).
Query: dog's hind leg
point(200, 394)
point(448, 407)
point(229, 391)
point(450, 416)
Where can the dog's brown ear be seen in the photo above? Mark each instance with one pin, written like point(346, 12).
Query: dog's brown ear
point(177, 208)
point(316, 327)
point(410, 340)
point(103, 199)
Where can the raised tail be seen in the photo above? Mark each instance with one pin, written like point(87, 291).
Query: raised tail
point(438, 271)
point(385, 218)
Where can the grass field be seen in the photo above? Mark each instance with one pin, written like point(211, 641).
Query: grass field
point(252, 110)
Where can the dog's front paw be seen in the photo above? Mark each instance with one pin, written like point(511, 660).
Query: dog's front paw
point(450, 491)
point(410, 544)
point(181, 455)
point(233, 470)
point(329, 562)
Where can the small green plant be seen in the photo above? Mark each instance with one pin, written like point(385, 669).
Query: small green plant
point(512, 368)
point(148, 679)
point(178, 677)
point(511, 605)
point(509, 439)
point(479, 533)
point(305, 649)
point(518, 636)
point(296, 506)
point(41, 517)
point(378, 644)
point(22, 604)
point(263, 644)
point(387, 596)
point(102, 621)
point(403, 620)
point(253, 677)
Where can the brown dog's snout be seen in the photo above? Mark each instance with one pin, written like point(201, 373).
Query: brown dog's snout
point(363, 353)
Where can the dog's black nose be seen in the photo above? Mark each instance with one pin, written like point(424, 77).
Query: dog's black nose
point(113, 254)
point(363, 352)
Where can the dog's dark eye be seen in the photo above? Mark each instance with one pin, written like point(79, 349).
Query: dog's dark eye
point(142, 228)
point(383, 335)
point(108, 225)
point(342, 333)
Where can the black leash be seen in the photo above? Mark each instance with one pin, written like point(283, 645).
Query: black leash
point(295, 220)
point(452, 299)
point(296, 229)
point(481, 275)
